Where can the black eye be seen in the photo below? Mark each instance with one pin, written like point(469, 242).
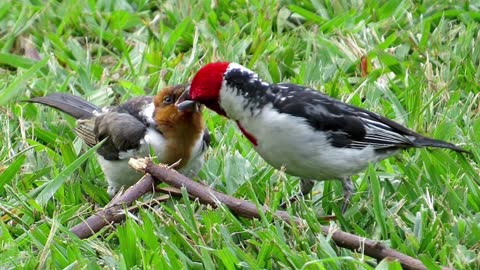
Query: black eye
point(168, 100)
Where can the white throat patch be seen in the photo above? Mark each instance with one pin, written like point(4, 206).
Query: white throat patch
point(147, 113)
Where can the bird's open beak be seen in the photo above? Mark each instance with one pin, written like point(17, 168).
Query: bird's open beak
point(184, 104)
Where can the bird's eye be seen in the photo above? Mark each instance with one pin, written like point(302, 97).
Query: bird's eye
point(168, 100)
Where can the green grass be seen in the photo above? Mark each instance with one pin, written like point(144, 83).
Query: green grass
point(425, 73)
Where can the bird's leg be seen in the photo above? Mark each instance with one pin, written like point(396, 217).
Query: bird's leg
point(306, 186)
point(347, 192)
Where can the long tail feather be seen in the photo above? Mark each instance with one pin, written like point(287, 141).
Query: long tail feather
point(427, 142)
point(70, 104)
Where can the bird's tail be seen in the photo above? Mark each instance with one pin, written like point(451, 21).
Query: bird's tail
point(427, 142)
point(70, 104)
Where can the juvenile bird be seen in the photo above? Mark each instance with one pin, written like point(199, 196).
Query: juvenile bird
point(133, 128)
point(309, 134)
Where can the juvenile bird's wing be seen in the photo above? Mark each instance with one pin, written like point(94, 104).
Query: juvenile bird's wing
point(345, 125)
point(122, 130)
point(123, 126)
point(85, 130)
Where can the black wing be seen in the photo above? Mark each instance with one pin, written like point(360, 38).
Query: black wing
point(123, 127)
point(134, 107)
point(345, 125)
point(122, 130)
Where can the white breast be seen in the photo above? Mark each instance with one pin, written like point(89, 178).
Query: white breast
point(118, 173)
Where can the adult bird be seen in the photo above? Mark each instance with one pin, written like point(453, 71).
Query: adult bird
point(309, 134)
point(133, 128)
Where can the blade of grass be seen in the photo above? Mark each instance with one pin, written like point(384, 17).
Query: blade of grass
point(11, 171)
point(49, 188)
point(14, 89)
point(16, 61)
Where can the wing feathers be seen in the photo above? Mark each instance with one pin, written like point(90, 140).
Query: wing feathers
point(85, 130)
point(346, 125)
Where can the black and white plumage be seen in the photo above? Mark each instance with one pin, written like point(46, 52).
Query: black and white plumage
point(133, 128)
point(311, 135)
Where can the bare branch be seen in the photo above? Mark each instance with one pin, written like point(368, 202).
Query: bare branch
point(114, 211)
point(207, 195)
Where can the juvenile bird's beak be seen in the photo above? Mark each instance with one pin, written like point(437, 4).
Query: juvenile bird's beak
point(184, 104)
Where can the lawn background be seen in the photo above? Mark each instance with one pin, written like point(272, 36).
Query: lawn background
point(422, 69)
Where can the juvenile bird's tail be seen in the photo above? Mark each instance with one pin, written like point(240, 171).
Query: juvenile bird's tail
point(70, 104)
point(427, 142)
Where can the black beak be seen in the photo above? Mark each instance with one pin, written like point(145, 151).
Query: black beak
point(184, 104)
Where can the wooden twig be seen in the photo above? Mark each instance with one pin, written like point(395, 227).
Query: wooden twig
point(208, 195)
point(114, 211)
point(204, 193)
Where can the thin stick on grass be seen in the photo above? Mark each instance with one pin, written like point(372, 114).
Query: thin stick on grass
point(207, 195)
point(114, 211)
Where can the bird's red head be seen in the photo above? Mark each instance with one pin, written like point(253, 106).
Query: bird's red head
point(207, 82)
point(205, 88)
